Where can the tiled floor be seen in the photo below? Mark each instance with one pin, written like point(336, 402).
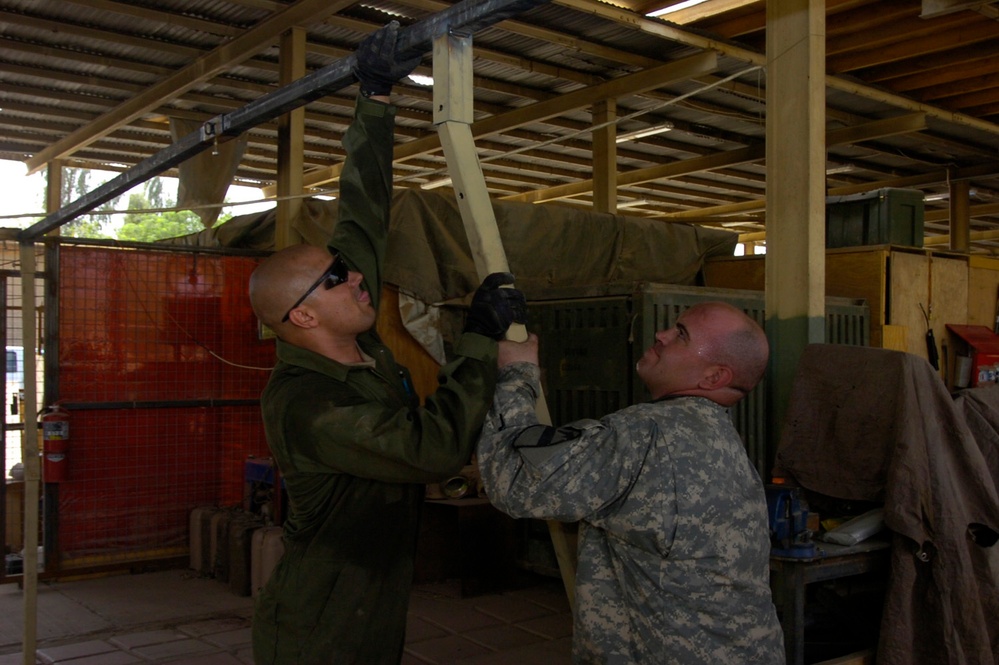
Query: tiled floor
point(176, 617)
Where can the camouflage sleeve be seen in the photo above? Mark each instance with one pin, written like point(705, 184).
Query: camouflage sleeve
point(566, 473)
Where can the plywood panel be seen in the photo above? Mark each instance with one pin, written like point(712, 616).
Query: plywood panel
point(895, 338)
point(948, 292)
point(909, 284)
point(949, 297)
point(983, 291)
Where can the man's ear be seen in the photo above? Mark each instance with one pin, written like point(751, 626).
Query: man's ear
point(716, 377)
point(303, 317)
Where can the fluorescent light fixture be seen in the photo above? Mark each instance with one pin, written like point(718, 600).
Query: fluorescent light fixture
point(631, 204)
point(675, 8)
point(936, 197)
point(434, 184)
point(642, 133)
point(845, 168)
point(420, 79)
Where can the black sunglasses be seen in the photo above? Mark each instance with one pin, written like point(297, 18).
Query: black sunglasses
point(334, 275)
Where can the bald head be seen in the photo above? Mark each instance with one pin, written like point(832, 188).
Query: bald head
point(740, 343)
point(715, 351)
point(282, 278)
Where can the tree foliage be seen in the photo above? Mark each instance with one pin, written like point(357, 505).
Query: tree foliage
point(137, 226)
point(75, 184)
point(153, 226)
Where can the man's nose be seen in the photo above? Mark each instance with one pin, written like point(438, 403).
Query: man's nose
point(664, 336)
point(354, 278)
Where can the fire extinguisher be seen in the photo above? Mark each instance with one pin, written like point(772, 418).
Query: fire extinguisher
point(55, 444)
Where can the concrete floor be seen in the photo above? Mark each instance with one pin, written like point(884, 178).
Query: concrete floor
point(176, 617)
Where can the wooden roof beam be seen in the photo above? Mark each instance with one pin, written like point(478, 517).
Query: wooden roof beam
point(696, 65)
point(876, 129)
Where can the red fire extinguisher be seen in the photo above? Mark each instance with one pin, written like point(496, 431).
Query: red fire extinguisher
point(55, 444)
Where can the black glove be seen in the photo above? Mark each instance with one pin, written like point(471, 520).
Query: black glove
point(378, 66)
point(494, 309)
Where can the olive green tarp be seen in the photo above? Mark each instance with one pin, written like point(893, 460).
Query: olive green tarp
point(554, 250)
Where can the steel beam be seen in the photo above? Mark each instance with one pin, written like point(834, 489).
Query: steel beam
point(466, 17)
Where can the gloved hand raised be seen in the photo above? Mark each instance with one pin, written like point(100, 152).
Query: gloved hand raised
point(494, 308)
point(378, 66)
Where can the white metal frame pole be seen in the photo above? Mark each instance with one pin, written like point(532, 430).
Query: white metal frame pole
point(453, 116)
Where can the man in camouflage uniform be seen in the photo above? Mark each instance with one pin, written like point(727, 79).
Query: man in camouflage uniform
point(673, 541)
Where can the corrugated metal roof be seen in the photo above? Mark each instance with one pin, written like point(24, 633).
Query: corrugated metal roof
point(65, 64)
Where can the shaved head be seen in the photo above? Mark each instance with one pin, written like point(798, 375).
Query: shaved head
point(742, 346)
point(281, 278)
point(715, 350)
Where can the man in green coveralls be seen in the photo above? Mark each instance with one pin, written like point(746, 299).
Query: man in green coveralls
point(353, 444)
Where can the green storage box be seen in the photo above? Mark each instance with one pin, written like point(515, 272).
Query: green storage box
point(886, 216)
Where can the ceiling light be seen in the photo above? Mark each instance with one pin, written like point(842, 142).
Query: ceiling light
point(434, 184)
point(420, 79)
point(675, 8)
point(936, 197)
point(633, 203)
point(642, 133)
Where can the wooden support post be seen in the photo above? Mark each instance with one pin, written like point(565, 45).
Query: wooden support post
point(453, 117)
point(795, 154)
point(291, 143)
point(960, 215)
point(29, 453)
point(605, 157)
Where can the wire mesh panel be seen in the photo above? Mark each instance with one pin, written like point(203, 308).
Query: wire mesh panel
point(157, 357)
point(17, 355)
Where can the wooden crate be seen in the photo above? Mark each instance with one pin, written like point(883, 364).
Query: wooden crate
point(898, 283)
point(983, 291)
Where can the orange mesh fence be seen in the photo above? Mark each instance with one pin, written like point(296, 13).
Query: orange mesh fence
point(160, 365)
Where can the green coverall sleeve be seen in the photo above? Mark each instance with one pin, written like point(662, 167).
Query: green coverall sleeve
point(366, 193)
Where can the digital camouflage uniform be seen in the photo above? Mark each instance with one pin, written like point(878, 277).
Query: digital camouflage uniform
point(355, 451)
point(673, 541)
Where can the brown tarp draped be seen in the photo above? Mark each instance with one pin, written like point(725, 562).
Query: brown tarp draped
point(869, 424)
point(980, 407)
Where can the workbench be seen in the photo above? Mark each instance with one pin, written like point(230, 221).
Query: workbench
point(790, 575)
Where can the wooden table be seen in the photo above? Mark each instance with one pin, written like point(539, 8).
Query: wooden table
point(790, 575)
